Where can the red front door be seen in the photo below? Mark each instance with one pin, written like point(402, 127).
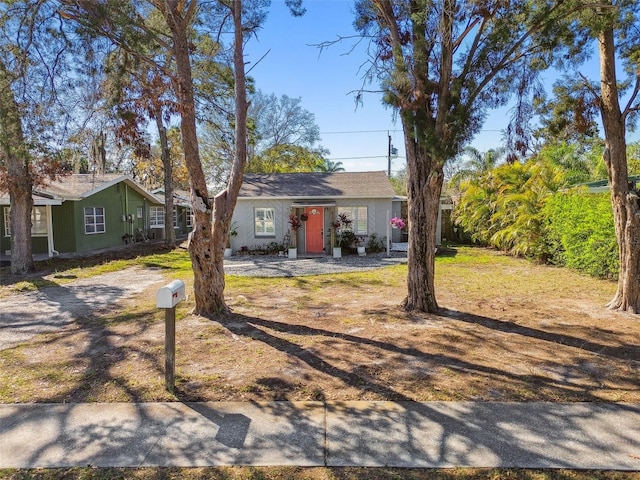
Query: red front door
point(314, 229)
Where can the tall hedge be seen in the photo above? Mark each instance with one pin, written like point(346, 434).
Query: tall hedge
point(581, 233)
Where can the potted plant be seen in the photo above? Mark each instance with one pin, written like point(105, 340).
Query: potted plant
point(339, 230)
point(335, 234)
point(295, 225)
point(397, 223)
point(359, 242)
point(233, 231)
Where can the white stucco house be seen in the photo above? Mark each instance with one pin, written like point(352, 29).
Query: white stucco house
point(265, 202)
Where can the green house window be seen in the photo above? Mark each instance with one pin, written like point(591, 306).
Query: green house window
point(94, 220)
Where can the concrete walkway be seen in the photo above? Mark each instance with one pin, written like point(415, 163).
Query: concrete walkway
point(402, 434)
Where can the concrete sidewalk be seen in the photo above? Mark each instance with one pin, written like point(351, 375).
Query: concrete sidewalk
point(402, 434)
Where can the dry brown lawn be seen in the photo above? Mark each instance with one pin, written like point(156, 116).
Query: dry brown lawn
point(509, 330)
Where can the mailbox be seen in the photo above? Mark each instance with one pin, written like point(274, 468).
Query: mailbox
point(170, 295)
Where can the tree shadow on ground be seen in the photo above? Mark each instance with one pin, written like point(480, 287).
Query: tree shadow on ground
point(80, 319)
point(622, 352)
point(281, 337)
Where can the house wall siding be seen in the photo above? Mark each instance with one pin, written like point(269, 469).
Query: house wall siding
point(378, 211)
point(64, 227)
point(245, 217)
point(39, 244)
point(117, 200)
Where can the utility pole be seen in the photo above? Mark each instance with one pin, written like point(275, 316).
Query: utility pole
point(389, 156)
point(391, 153)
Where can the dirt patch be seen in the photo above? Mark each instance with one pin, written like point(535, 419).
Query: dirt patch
point(55, 308)
point(508, 331)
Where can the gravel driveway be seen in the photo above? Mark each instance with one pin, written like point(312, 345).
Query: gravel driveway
point(274, 266)
point(50, 309)
point(24, 315)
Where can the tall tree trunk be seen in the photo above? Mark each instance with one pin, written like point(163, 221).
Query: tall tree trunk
point(20, 184)
point(208, 276)
point(21, 204)
point(165, 155)
point(424, 186)
point(208, 238)
point(624, 201)
point(225, 201)
point(426, 132)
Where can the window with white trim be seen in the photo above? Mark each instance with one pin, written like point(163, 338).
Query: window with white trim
point(7, 222)
point(94, 220)
point(189, 217)
point(175, 217)
point(265, 222)
point(156, 217)
point(358, 216)
point(39, 222)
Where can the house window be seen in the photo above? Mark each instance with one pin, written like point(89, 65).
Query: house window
point(264, 222)
point(38, 222)
point(156, 217)
point(189, 218)
point(175, 217)
point(139, 212)
point(7, 224)
point(93, 220)
point(359, 217)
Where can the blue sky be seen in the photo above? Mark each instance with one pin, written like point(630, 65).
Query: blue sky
point(325, 82)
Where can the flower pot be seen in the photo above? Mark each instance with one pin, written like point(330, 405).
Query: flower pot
point(293, 253)
point(361, 251)
point(228, 252)
point(337, 252)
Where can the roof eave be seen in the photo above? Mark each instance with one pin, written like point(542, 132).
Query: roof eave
point(312, 197)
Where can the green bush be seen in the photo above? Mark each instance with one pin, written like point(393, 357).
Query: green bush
point(375, 245)
point(580, 232)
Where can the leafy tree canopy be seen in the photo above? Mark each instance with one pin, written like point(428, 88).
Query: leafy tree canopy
point(285, 136)
point(286, 158)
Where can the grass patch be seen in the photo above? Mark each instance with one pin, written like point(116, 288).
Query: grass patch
point(509, 330)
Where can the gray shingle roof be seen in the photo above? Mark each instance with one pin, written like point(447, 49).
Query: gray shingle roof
point(77, 186)
point(317, 185)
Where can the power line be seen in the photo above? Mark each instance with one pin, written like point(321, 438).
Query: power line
point(361, 158)
point(359, 131)
point(350, 132)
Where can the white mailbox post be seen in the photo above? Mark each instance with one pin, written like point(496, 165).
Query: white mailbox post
point(167, 298)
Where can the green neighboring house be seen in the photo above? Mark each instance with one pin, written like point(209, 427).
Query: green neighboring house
point(84, 212)
point(182, 213)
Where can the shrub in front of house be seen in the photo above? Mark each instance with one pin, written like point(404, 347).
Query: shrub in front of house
point(375, 245)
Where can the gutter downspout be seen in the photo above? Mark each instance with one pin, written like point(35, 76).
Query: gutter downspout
point(50, 247)
point(388, 233)
point(126, 210)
